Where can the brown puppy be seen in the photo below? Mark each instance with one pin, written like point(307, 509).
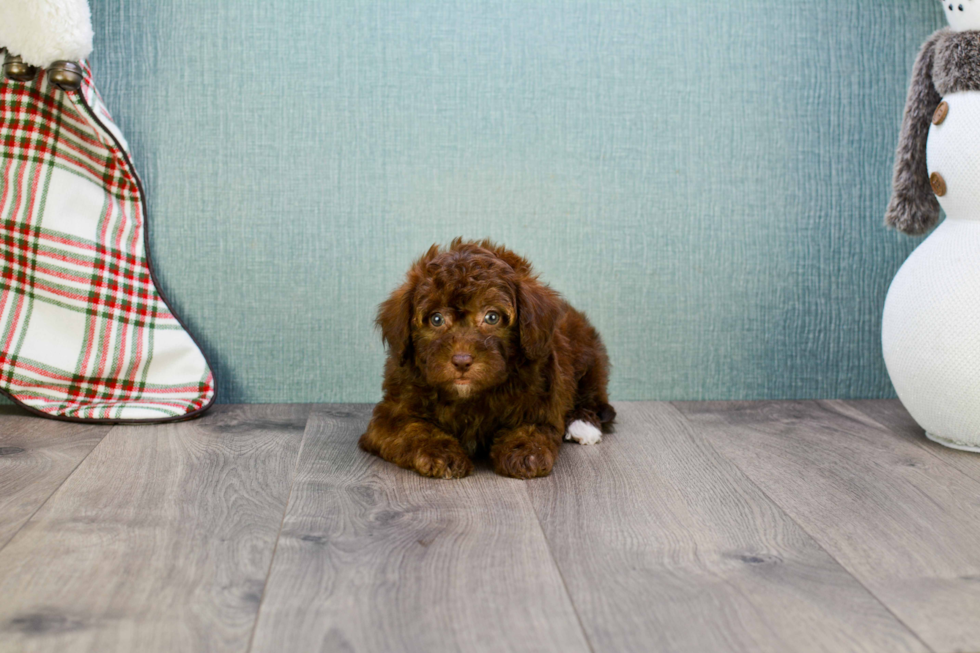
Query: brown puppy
point(484, 358)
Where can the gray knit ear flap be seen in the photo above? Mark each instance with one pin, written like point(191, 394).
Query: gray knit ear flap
point(913, 208)
point(45, 31)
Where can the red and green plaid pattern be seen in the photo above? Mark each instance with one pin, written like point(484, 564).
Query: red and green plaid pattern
point(84, 333)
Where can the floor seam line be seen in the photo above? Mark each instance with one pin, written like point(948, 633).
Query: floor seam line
point(561, 575)
point(275, 546)
point(817, 542)
point(55, 490)
point(921, 443)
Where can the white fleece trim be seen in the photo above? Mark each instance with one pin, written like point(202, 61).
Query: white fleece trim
point(45, 31)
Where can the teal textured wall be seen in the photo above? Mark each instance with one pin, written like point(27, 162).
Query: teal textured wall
point(705, 179)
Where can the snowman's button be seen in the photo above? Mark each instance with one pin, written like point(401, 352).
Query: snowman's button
point(940, 115)
point(938, 184)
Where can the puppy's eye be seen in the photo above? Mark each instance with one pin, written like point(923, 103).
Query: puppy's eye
point(437, 320)
point(492, 317)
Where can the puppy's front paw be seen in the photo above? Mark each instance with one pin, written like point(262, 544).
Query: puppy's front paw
point(442, 459)
point(582, 432)
point(523, 459)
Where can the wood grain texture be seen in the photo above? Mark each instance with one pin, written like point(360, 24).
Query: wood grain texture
point(36, 456)
point(160, 541)
point(664, 545)
point(376, 558)
point(891, 414)
point(901, 520)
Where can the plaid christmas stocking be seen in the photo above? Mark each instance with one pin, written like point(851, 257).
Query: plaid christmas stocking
point(84, 332)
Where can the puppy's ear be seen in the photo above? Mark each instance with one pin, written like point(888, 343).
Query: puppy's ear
point(395, 313)
point(395, 321)
point(538, 308)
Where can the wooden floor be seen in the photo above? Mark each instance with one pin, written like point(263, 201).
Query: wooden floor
point(775, 526)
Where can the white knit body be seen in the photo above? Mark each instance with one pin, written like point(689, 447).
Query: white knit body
point(931, 321)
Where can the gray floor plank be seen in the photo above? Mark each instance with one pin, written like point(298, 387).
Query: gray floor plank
point(891, 414)
point(376, 558)
point(160, 541)
point(902, 521)
point(665, 546)
point(36, 456)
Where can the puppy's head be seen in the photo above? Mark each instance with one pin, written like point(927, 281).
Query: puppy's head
point(468, 316)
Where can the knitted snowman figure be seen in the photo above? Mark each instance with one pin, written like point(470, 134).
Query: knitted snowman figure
point(931, 321)
point(84, 332)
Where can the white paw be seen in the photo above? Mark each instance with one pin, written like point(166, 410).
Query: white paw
point(583, 433)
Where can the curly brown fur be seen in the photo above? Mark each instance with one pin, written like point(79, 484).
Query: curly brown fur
point(502, 370)
point(948, 62)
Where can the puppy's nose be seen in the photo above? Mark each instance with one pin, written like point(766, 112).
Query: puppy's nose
point(462, 362)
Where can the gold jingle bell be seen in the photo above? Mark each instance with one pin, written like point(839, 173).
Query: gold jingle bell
point(66, 75)
point(14, 68)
